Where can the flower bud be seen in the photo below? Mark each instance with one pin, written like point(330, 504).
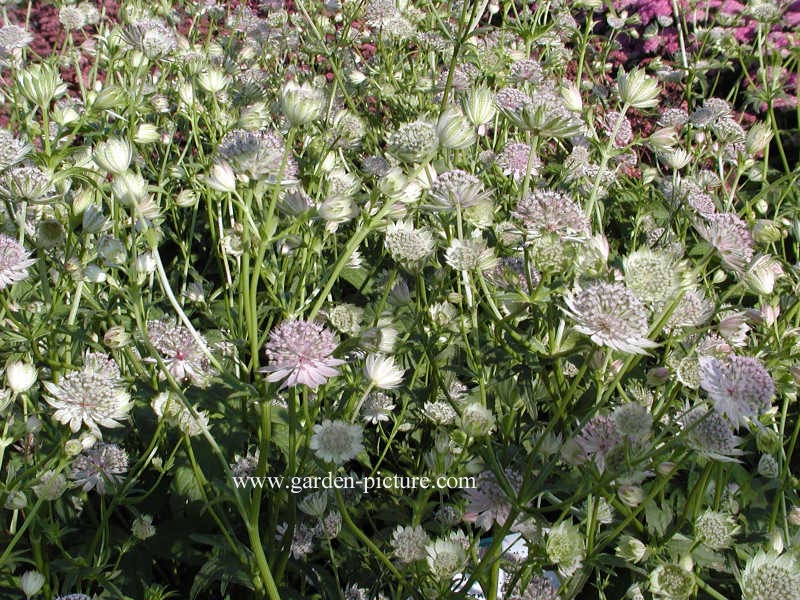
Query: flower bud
point(186, 199)
point(631, 495)
point(758, 138)
point(657, 376)
point(477, 420)
point(572, 97)
point(301, 104)
point(631, 549)
point(768, 467)
point(760, 276)
point(110, 97)
point(113, 155)
point(142, 527)
point(116, 337)
point(147, 133)
point(15, 500)
point(213, 80)
point(20, 376)
point(31, 583)
point(41, 83)
point(94, 274)
point(454, 130)
point(663, 139)
point(111, 251)
point(221, 178)
point(478, 106)
point(794, 516)
point(767, 232)
point(73, 447)
point(637, 89)
point(129, 188)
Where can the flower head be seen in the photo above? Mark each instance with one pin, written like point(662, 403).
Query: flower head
point(93, 395)
point(12, 149)
point(470, 254)
point(409, 543)
point(408, 245)
point(711, 434)
point(730, 237)
point(337, 441)
point(300, 352)
point(611, 315)
point(566, 547)
point(514, 160)
point(740, 387)
point(100, 465)
point(377, 407)
point(457, 188)
point(414, 142)
point(487, 503)
point(151, 37)
point(183, 355)
point(550, 211)
point(258, 155)
point(771, 577)
point(715, 529)
point(672, 581)
point(14, 262)
point(653, 276)
point(382, 372)
point(598, 438)
point(445, 558)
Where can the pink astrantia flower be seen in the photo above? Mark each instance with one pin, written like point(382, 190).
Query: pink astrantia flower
point(740, 387)
point(299, 353)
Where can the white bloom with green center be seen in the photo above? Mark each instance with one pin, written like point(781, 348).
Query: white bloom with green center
point(771, 577)
point(566, 547)
point(337, 441)
point(653, 276)
point(382, 372)
point(471, 254)
point(672, 582)
point(445, 558)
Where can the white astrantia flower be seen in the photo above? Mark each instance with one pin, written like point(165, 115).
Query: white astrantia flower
point(93, 395)
point(768, 576)
point(382, 372)
point(740, 387)
point(337, 441)
point(611, 315)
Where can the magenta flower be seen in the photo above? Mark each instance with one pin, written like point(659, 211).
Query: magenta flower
point(300, 352)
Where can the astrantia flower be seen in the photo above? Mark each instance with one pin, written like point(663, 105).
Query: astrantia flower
point(740, 387)
point(652, 275)
point(13, 37)
point(539, 588)
point(408, 543)
point(710, 434)
point(336, 441)
point(439, 412)
point(445, 558)
point(302, 539)
point(408, 245)
point(377, 407)
point(611, 315)
point(300, 352)
point(694, 309)
point(715, 529)
point(598, 438)
point(487, 503)
point(672, 582)
point(258, 155)
point(151, 37)
point(730, 237)
point(27, 183)
point(550, 211)
point(382, 372)
point(414, 142)
point(633, 420)
point(100, 465)
point(457, 188)
point(170, 408)
point(74, 597)
point(546, 115)
point(566, 547)
point(477, 420)
point(771, 577)
point(636, 89)
point(12, 149)
point(14, 262)
point(182, 354)
point(471, 254)
point(514, 159)
point(93, 395)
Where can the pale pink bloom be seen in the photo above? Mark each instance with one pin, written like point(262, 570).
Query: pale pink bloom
point(300, 352)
